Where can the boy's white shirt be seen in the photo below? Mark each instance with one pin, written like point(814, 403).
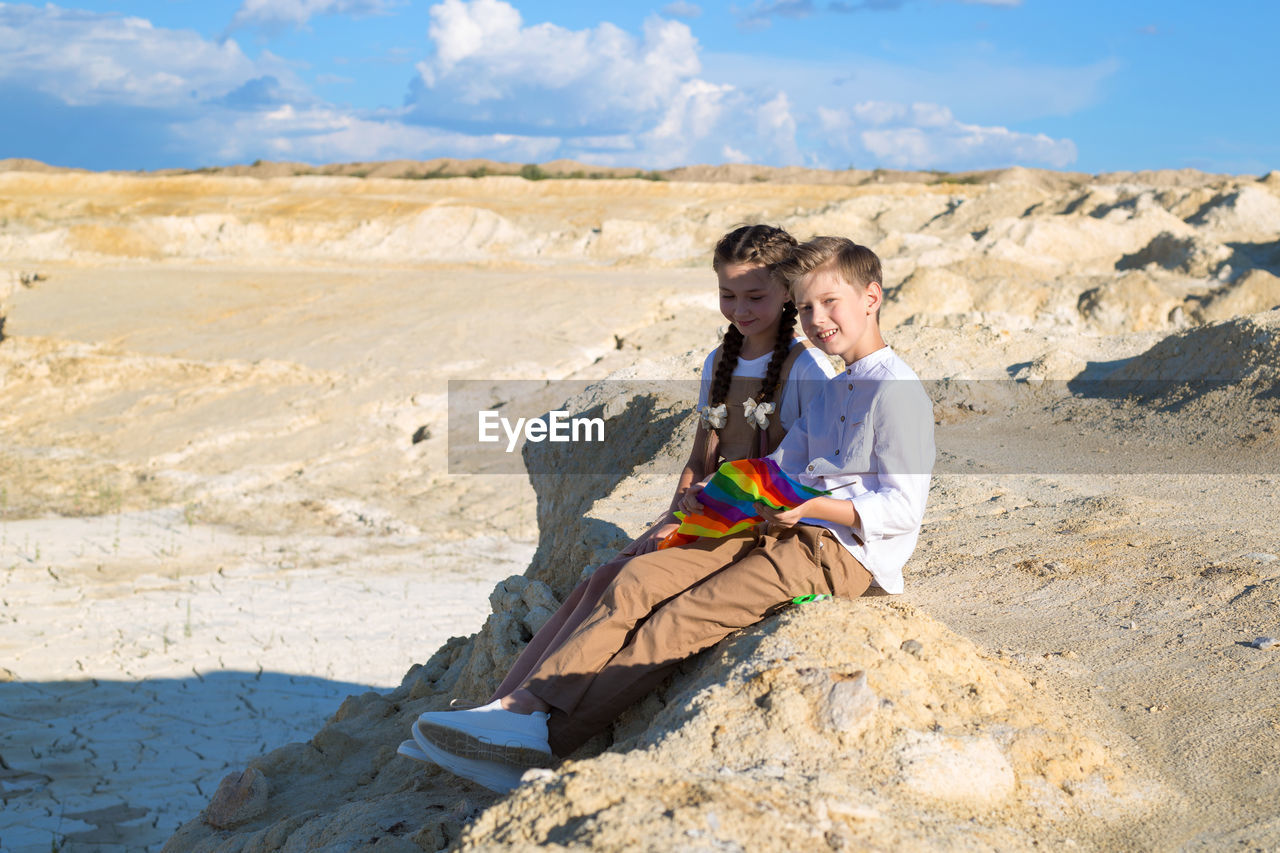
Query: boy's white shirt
point(809, 374)
point(871, 444)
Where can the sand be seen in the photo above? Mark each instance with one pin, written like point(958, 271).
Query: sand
point(216, 523)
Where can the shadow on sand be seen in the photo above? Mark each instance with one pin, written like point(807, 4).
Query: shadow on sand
point(110, 765)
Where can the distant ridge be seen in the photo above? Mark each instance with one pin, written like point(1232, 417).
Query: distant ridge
point(23, 164)
point(732, 173)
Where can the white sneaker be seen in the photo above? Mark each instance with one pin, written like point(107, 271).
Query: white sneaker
point(489, 733)
point(410, 749)
point(493, 775)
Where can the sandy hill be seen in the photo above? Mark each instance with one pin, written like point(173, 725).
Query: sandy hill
point(220, 388)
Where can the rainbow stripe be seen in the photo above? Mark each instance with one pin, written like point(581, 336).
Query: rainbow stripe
point(728, 501)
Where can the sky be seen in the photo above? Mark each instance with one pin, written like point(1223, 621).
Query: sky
point(1082, 85)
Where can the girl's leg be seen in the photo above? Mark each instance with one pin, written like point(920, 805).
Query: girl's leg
point(643, 584)
point(594, 589)
point(538, 645)
point(551, 636)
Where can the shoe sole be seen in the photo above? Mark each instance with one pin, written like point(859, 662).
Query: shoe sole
point(477, 749)
point(410, 749)
point(497, 781)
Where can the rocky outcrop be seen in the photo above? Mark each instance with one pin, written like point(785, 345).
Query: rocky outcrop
point(839, 723)
point(1255, 292)
point(347, 788)
point(849, 725)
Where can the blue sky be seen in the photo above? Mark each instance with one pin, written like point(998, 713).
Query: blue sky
point(917, 84)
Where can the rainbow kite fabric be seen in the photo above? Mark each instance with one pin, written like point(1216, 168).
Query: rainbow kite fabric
point(729, 498)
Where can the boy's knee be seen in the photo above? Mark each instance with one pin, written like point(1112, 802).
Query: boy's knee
point(625, 591)
point(603, 576)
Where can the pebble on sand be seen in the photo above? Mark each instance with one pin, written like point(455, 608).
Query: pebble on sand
point(1265, 642)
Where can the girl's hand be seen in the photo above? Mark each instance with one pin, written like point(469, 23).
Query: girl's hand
point(648, 541)
point(689, 501)
point(781, 518)
point(651, 540)
point(633, 547)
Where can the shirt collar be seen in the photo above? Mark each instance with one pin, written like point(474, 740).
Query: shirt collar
point(867, 362)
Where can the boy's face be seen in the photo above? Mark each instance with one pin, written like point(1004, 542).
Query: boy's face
point(837, 316)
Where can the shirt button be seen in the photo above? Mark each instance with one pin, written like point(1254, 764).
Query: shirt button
point(810, 467)
point(850, 386)
point(842, 417)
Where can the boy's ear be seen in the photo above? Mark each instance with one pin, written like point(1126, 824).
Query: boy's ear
point(875, 295)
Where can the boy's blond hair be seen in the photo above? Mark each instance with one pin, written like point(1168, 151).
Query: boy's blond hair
point(855, 264)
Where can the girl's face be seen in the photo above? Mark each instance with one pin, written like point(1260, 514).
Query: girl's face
point(751, 300)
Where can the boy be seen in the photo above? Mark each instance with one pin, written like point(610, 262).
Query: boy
point(867, 439)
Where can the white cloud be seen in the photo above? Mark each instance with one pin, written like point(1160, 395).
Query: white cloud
point(279, 13)
point(88, 58)
point(495, 86)
point(762, 9)
point(889, 5)
point(928, 136)
point(490, 69)
point(610, 96)
point(760, 14)
point(694, 115)
point(325, 134)
point(776, 127)
point(982, 88)
point(682, 9)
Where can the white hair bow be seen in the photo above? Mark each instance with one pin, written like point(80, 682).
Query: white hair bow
point(757, 412)
point(714, 417)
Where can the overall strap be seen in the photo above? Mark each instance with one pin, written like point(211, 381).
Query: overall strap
point(770, 438)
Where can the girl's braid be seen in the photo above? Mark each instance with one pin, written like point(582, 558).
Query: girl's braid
point(781, 346)
point(729, 349)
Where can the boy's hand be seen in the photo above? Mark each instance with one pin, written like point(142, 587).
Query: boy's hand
point(821, 508)
point(781, 517)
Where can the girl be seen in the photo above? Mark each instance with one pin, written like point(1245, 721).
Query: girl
point(755, 385)
point(759, 356)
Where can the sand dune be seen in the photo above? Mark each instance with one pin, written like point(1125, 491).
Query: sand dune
point(1110, 256)
point(225, 502)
